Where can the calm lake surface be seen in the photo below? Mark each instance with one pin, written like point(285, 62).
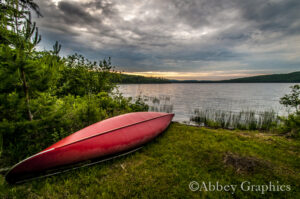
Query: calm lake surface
point(183, 99)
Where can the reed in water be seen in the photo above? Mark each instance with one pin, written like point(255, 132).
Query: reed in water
point(250, 120)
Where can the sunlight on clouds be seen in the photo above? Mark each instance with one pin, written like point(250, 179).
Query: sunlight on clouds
point(188, 34)
point(80, 29)
point(185, 32)
point(57, 1)
point(128, 14)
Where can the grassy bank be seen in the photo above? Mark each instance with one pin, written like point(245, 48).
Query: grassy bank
point(165, 167)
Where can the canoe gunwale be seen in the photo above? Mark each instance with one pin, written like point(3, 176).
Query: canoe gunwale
point(112, 130)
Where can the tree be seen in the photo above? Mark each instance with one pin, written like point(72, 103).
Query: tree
point(20, 36)
point(30, 4)
point(81, 76)
point(12, 11)
point(293, 99)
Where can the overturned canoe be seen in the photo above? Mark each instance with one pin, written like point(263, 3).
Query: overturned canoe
point(103, 139)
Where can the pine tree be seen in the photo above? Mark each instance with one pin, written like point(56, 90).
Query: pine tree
point(19, 36)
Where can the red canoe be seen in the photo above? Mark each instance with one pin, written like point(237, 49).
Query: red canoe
point(106, 138)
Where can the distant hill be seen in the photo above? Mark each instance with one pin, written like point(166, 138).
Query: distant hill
point(275, 78)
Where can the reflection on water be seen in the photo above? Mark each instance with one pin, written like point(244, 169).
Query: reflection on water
point(183, 99)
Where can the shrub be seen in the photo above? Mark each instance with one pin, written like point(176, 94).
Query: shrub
point(291, 124)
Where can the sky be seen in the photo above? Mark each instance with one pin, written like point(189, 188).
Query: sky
point(178, 39)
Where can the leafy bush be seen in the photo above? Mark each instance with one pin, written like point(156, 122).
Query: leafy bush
point(80, 76)
point(292, 99)
point(291, 124)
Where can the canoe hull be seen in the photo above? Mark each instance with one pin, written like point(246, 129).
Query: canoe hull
point(103, 144)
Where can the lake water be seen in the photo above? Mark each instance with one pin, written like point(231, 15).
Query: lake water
point(183, 99)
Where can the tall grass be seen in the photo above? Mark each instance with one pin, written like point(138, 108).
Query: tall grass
point(158, 104)
point(250, 120)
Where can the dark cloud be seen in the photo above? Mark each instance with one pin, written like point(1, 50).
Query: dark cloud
point(178, 35)
point(75, 14)
point(273, 16)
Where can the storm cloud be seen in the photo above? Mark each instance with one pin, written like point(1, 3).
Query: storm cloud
point(227, 38)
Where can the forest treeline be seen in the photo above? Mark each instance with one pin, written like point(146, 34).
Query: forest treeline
point(43, 96)
point(138, 79)
point(274, 78)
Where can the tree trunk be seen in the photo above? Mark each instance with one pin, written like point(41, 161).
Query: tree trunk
point(25, 88)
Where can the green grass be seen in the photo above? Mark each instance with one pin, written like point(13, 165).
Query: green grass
point(165, 167)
